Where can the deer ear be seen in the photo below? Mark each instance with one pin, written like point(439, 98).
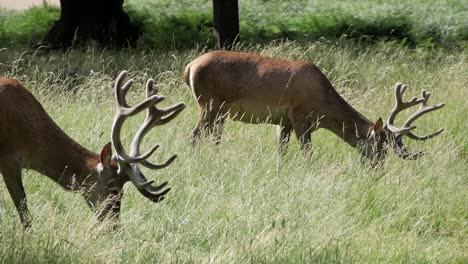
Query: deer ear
point(378, 125)
point(106, 155)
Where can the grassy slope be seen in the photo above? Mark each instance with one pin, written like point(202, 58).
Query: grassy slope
point(240, 202)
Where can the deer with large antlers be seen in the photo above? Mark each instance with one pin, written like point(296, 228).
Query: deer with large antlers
point(29, 138)
point(295, 95)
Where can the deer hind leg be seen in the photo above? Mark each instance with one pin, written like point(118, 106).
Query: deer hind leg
point(283, 138)
point(217, 127)
point(198, 130)
point(212, 117)
point(11, 172)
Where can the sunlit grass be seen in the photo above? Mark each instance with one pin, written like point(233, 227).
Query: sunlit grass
point(240, 201)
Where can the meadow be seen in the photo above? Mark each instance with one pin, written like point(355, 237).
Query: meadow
point(241, 202)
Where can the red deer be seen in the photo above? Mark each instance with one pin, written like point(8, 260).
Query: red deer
point(295, 95)
point(29, 138)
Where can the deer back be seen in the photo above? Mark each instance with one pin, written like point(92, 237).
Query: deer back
point(253, 83)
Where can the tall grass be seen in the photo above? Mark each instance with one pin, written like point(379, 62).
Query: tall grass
point(241, 202)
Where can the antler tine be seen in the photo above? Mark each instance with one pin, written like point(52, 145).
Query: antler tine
point(170, 112)
point(400, 106)
point(129, 163)
point(154, 190)
point(155, 166)
point(118, 146)
point(122, 112)
point(153, 118)
point(150, 88)
point(153, 195)
point(423, 109)
point(422, 138)
point(398, 133)
point(144, 186)
point(121, 91)
point(130, 111)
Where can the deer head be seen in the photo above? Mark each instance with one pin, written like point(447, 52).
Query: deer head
point(115, 170)
point(382, 136)
point(396, 134)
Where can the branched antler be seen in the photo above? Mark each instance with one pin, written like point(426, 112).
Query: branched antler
point(154, 117)
point(399, 106)
point(128, 163)
point(423, 109)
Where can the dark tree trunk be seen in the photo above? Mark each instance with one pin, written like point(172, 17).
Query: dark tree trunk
point(103, 21)
point(226, 22)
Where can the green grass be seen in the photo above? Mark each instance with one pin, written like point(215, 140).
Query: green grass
point(240, 202)
point(184, 23)
point(25, 27)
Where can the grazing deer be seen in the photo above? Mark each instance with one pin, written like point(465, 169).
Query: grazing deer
point(29, 138)
point(295, 95)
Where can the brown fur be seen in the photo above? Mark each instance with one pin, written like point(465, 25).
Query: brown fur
point(258, 89)
point(29, 138)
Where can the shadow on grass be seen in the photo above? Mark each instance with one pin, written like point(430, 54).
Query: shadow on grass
point(187, 29)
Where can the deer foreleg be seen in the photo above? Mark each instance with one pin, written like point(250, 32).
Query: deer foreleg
point(197, 131)
point(11, 171)
point(303, 128)
point(212, 117)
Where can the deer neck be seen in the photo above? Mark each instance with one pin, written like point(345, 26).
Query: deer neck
point(347, 123)
point(351, 131)
point(65, 161)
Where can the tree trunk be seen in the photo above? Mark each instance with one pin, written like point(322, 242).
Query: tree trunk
point(81, 21)
point(226, 22)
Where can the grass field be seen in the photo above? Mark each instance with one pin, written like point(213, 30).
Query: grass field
point(241, 202)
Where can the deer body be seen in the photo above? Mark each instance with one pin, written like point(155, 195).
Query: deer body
point(29, 136)
point(255, 89)
point(295, 95)
point(30, 139)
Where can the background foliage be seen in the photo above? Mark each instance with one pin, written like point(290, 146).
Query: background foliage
point(183, 23)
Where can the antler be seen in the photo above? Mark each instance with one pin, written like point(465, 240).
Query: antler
point(406, 129)
point(400, 106)
point(128, 163)
point(154, 117)
point(423, 109)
